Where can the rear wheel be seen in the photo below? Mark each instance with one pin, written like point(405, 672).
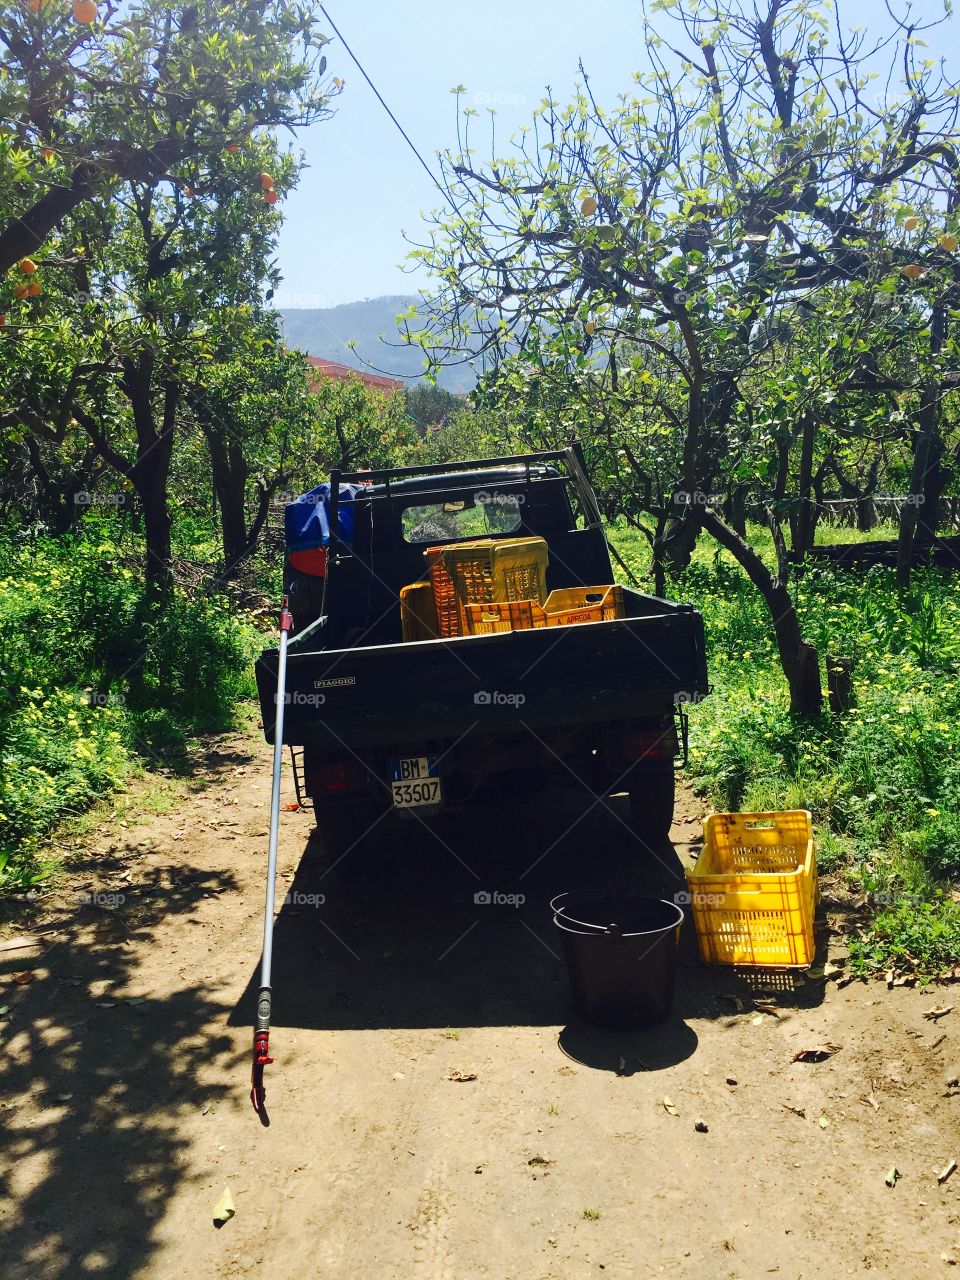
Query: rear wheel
point(652, 797)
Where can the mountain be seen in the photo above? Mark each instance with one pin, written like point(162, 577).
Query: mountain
point(372, 325)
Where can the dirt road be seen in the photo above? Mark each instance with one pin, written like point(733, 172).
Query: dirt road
point(126, 1059)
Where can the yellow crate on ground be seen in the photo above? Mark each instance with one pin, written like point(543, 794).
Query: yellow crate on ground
point(482, 571)
point(753, 890)
point(418, 614)
point(561, 608)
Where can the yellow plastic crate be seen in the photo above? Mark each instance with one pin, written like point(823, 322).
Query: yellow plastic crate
point(753, 890)
point(418, 614)
point(482, 571)
point(561, 608)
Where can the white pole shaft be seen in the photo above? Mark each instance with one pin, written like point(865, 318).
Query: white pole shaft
point(268, 909)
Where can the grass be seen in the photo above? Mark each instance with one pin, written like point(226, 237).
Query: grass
point(591, 1215)
point(883, 780)
point(99, 684)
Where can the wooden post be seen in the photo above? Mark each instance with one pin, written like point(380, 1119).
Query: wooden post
point(839, 683)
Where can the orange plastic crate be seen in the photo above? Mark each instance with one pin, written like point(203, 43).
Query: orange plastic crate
point(444, 594)
point(753, 890)
point(561, 608)
point(482, 571)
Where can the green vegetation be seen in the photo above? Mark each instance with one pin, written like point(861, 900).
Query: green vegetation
point(737, 284)
point(883, 779)
point(98, 680)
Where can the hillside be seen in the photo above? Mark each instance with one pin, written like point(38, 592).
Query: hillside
point(372, 325)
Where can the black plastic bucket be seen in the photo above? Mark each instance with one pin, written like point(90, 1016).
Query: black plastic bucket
point(621, 955)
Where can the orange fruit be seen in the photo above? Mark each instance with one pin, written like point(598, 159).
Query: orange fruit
point(911, 224)
point(47, 153)
point(913, 271)
point(85, 11)
point(270, 196)
point(27, 266)
point(949, 243)
point(21, 291)
point(34, 288)
point(37, 6)
point(588, 206)
point(233, 148)
point(266, 181)
point(3, 320)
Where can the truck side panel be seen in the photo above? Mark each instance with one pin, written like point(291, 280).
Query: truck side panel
point(594, 672)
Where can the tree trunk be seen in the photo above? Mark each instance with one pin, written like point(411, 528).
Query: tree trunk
point(797, 658)
point(935, 481)
point(806, 514)
point(681, 528)
point(64, 499)
point(737, 510)
point(157, 525)
point(150, 472)
point(24, 235)
point(926, 475)
point(230, 474)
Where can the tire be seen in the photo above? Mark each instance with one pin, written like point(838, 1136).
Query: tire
point(652, 797)
point(348, 847)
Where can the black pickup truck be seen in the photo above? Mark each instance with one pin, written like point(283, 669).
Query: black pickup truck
point(379, 724)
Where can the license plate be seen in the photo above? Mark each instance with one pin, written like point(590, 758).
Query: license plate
point(415, 782)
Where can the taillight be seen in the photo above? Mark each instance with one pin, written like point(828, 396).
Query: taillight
point(313, 562)
point(337, 778)
point(628, 744)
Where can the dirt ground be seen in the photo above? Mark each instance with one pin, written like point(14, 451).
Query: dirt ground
point(127, 1036)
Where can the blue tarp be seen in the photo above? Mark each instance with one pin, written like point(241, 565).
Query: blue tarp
point(307, 519)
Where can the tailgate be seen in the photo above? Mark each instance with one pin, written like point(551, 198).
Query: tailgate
point(591, 672)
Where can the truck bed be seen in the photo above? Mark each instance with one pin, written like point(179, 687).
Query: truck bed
point(589, 672)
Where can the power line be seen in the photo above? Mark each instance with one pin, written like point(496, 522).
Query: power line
point(380, 99)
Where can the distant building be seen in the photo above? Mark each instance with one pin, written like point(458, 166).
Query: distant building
point(344, 372)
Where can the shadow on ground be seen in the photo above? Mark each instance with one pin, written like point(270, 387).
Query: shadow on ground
point(453, 928)
point(97, 1077)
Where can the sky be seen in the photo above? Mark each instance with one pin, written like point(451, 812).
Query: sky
point(343, 235)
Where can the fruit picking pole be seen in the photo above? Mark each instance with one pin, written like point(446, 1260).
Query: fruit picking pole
point(261, 1035)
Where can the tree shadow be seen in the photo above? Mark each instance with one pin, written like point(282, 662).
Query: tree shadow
point(98, 1078)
